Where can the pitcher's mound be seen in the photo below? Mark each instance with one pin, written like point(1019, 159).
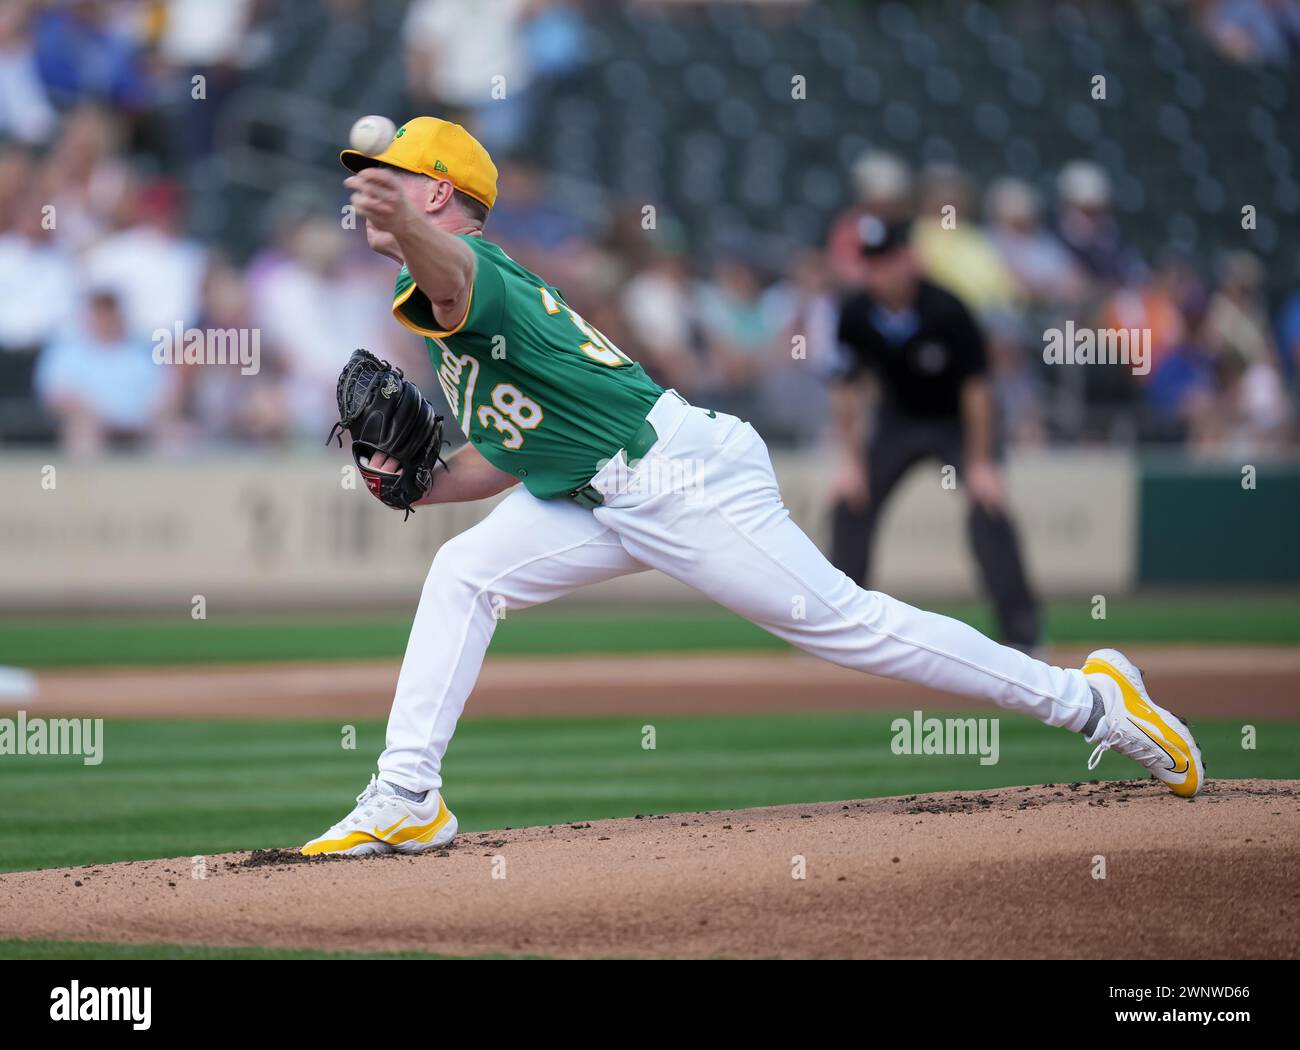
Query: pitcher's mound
point(1013, 872)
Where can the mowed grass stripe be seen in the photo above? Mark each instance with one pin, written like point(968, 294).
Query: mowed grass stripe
point(19, 949)
point(184, 788)
point(117, 639)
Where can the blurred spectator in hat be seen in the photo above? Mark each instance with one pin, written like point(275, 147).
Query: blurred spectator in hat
point(1089, 229)
point(156, 270)
point(882, 186)
point(1045, 270)
point(25, 111)
point(1237, 319)
point(953, 248)
point(100, 383)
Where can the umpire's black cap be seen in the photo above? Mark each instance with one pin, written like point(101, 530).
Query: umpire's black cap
point(879, 236)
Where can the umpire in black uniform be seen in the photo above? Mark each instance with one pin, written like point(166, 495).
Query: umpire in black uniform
point(927, 354)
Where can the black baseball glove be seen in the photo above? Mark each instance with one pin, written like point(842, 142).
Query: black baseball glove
point(387, 413)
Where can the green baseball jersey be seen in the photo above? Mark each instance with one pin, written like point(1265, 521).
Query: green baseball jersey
point(538, 391)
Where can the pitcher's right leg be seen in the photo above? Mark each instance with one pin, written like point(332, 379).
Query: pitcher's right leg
point(527, 551)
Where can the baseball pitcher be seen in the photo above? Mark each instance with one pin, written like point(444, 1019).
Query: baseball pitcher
point(611, 474)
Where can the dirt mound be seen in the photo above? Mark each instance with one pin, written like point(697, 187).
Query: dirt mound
point(976, 875)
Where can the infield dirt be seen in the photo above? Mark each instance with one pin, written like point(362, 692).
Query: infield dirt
point(1000, 873)
point(1224, 681)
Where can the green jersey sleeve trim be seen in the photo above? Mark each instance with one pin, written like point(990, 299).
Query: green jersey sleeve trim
point(412, 309)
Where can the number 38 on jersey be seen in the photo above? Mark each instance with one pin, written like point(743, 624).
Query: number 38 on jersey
point(597, 347)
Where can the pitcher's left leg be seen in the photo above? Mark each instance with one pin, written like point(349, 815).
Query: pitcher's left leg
point(734, 541)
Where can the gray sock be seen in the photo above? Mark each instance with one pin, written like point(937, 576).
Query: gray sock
point(1098, 709)
point(420, 796)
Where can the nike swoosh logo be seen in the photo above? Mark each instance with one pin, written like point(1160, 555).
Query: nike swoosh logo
point(388, 831)
point(1173, 759)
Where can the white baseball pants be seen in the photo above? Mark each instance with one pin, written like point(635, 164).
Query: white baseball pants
point(703, 507)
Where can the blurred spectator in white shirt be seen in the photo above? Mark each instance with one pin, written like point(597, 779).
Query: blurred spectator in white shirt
point(100, 383)
point(1256, 412)
point(215, 42)
point(1088, 226)
point(458, 51)
point(199, 33)
point(481, 58)
point(25, 110)
point(658, 306)
point(156, 271)
point(36, 279)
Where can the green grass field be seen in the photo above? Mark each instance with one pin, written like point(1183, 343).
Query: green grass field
point(52, 641)
point(180, 788)
point(174, 788)
point(180, 952)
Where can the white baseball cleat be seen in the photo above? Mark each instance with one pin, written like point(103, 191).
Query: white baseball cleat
point(384, 822)
point(1138, 728)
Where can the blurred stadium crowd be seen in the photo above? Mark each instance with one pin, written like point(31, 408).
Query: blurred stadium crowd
point(119, 147)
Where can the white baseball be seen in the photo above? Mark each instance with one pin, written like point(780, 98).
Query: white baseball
point(372, 135)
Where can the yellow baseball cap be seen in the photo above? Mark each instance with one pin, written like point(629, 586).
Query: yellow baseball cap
point(439, 149)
